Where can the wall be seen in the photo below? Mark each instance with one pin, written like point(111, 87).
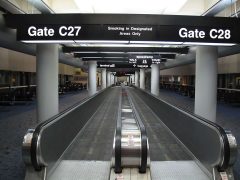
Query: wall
point(226, 65)
point(122, 78)
point(16, 61)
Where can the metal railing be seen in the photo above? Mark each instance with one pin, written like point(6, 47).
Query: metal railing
point(136, 152)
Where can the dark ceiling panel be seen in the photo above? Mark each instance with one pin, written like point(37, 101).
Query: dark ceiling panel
point(105, 59)
point(17, 20)
point(82, 55)
point(180, 50)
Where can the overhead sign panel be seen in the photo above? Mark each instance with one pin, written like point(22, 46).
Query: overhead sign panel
point(121, 55)
point(128, 33)
point(79, 27)
point(135, 61)
point(121, 65)
point(144, 59)
point(123, 50)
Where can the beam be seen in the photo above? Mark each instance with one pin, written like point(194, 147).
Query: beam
point(180, 50)
point(14, 21)
point(84, 55)
point(106, 59)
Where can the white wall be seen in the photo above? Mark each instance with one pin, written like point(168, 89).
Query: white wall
point(16, 61)
point(226, 65)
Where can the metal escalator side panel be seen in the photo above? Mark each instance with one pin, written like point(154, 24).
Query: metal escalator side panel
point(51, 138)
point(207, 141)
point(132, 150)
point(231, 152)
point(144, 153)
point(144, 139)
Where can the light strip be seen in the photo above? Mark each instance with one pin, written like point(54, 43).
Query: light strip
point(156, 42)
point(122, 45)
point(100, 41)
point(104, 57)
point(100, 52)
point(208, 44)
point(113, 52)
point(79, 52)
point(137, 42)
point(92, 57)
point(152, 53)
point(48, 41)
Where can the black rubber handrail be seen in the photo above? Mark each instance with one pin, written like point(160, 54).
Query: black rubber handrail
point(226, 146)
point(118, 137)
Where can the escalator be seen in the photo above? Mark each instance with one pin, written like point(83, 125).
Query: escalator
point(126, 133)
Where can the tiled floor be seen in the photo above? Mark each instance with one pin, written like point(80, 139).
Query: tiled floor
point(228, 116)
point(14, 122)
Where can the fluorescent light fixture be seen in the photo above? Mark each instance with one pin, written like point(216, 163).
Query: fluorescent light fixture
point(113, 52)
point(98, 52)
point(92, 57)
point(114, 57)
point(152, 53)
point(208, 44)
point(100, 41)
point(157, 42)
point(130, 7)
point(119, 45)
point(86, 52)
point(48, 41)
point(104, 57)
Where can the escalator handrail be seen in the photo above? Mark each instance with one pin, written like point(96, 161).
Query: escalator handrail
point(118, 137)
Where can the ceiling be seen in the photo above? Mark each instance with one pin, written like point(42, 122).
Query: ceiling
point(178, 7)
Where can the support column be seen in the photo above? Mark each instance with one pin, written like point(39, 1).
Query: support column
point(47, 81)
point(136, 79)
point(155, 73)
point(115, 80)
point(104, 78)
point(108, 79)
point(92, 77)
point(112, 79)
point(132, 78)
point(142, 78)
point(206, 82)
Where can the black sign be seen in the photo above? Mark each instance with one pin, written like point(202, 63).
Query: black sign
point(112, 65)
point(128, 33)
point(144, 59)
point(126, 28)
point(121, 65)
